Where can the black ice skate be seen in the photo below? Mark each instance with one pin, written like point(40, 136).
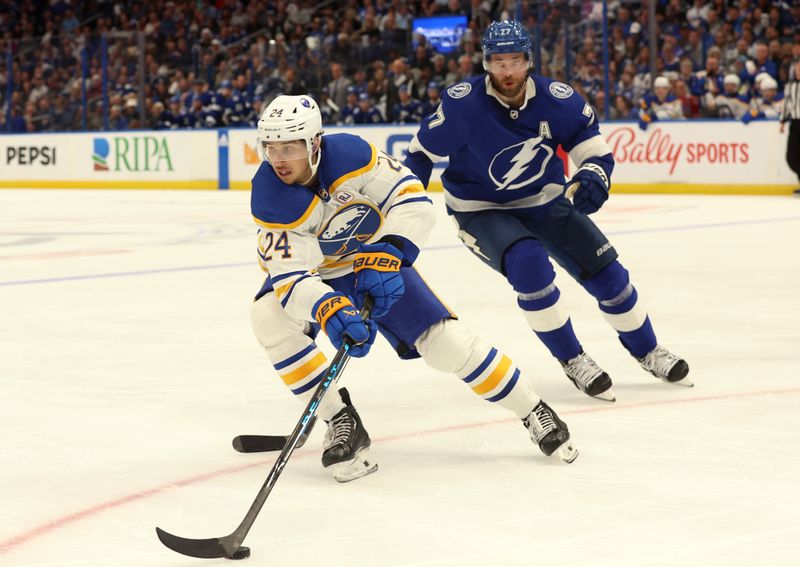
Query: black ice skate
point(550, 433)
point(588, 377)
point(666, 366)
point(346, 445)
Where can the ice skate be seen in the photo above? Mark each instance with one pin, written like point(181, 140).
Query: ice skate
point(346, 445)
point(666, 366)
point(550, 433)
point(588, 377)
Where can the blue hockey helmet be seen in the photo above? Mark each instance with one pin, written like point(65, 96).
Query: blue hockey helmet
point(505, 36)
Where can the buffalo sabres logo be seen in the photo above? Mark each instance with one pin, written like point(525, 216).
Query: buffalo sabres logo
point(460, 90)
point(349, 227)
point(560, 90)
point(520, 165)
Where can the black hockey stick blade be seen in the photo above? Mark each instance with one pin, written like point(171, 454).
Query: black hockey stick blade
point(213, 548)
point(266, 443)
point(259, 443)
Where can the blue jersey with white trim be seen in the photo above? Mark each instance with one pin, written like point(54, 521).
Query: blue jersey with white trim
point(311, 234)
point(503, 157)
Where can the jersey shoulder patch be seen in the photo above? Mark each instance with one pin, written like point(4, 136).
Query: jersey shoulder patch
point(459, 90)
point(560, 90)
point(344, 156)
point(275, 205)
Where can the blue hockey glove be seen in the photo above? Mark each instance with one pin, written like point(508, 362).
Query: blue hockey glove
point(339, 319)
point(592, 188)
point(377, 269)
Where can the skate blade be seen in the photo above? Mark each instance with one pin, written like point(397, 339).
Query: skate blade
point(607, 396)
point(567, 452)
point(360, 466)
point(685, 382)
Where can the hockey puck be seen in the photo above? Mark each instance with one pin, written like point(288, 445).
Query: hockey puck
point(241, 553)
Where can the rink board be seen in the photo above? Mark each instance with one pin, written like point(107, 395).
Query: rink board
point(697, 157)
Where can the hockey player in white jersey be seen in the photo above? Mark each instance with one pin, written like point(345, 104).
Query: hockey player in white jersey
point(339, 220)
point(505, 188)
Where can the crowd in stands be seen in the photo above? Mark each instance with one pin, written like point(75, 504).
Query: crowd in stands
point(218, 63)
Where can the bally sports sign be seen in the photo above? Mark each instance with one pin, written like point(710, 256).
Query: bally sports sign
point(704, 153)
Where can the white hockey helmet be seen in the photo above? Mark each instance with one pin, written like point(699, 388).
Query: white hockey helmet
point(768, 83)
point(289, 118)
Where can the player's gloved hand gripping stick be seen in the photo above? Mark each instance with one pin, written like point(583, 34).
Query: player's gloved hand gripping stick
point(230, 546)
point(588, 188)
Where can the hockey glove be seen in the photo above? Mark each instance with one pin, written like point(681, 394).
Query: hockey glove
point(377, 269)
point(590, 186)
point(341, 321)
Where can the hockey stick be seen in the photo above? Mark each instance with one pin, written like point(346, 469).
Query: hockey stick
point(264, 443)
point(228, 545)
point(267, 443)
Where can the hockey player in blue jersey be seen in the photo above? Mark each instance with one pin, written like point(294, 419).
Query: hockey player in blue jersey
point(505, 188)
point(337, 220)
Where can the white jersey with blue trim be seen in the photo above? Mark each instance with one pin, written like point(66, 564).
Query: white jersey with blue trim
point(307, 235)
point(503, 157)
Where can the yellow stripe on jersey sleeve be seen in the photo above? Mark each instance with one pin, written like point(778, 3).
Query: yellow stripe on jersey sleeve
point(494, 378)
point(357, 172)
point(274, 225)
point(413, 188)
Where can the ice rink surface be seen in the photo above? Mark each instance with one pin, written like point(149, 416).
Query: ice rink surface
point(128, 364)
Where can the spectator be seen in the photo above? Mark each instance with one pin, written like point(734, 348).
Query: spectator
point(365, 112)
point(407, 110)
point(116, 119)
point(623, 109)
point(690, 105)
point(350, 107)
point(661, 105)
point(338, 85)
point(327, 108)
point(289, 45)
point(433, 100)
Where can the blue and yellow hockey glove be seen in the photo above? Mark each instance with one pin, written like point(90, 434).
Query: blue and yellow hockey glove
point(338, 317)
point(377, 269)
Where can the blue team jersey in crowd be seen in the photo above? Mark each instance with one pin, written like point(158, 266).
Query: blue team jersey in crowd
point(502, 157)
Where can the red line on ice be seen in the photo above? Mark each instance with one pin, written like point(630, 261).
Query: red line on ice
point(43, 529)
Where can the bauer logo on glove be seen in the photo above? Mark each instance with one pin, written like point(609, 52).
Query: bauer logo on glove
point(377, 268)
point(327, 307)
point(376, 261)
point(340, 321)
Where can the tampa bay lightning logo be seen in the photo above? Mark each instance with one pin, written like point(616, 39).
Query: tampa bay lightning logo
point(460, 90)
point(520, 165)
point(560, 90)
point(350, 226)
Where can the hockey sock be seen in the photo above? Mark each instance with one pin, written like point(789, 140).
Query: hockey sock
point(449, 347)
point(531, 274)
point(293, 353)
point(548, 318)
point(301, 366)
point(619, 303)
